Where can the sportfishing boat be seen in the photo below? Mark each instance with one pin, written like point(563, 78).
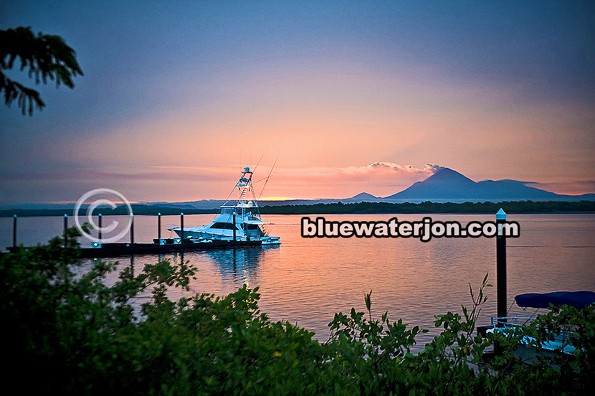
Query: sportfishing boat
point(236, 221)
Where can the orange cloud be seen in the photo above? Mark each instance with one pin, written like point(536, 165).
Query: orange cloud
point(378, 178)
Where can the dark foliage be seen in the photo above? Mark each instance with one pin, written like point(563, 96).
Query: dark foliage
point(44, 57)
point(70, 327)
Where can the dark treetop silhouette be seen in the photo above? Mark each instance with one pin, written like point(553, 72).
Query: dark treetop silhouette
point(43, 56)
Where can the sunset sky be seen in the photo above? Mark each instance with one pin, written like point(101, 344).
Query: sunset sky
point(350, 96)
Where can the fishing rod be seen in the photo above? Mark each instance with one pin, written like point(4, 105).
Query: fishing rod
point(267, 179)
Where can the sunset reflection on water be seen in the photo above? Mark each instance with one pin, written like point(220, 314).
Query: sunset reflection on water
point(306, 281)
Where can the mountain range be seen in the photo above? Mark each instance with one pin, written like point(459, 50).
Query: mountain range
point(445, 185)
point(449, 185)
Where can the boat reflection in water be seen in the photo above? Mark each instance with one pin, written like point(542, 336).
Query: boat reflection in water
point(223, 271)
point(238, 265)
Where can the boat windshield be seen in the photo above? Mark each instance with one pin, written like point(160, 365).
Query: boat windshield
point(224, 226)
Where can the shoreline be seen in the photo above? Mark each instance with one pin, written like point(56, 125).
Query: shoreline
point(511, 207)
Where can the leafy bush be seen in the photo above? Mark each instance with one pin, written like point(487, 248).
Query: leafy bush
point(66, 331)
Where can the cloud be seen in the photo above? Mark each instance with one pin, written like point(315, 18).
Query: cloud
point(428, 168)
point(186, 183)
point(378, 178)
point(434, 167)
point(382, 168)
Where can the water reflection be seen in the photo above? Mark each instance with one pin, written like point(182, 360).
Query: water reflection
point(232, 267)
point(237, 265)
point(308, 280)
point(229, 268)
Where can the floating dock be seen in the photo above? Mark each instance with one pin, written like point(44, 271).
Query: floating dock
point(127, 249)
point(161, 246)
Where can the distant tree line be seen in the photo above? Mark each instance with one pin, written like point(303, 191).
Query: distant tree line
point(347, 208)
point(434, 207)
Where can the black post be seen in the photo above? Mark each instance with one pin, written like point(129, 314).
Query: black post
point(99, 231)
point(14, 231)
point(65, 228)
point(131, 229)
point(501, 266)
point(182, 227)
point(158, 225)
point(234, 227)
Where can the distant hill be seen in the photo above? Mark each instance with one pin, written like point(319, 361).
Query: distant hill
point(447, 185)
point(206, 204)
point(362, 197)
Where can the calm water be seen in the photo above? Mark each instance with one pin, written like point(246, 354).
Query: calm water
point(305, 281)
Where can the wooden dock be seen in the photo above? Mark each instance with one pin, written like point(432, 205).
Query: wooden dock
point(157, 247)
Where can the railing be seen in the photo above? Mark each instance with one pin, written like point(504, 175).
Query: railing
point(559, 343)
point(510, 321)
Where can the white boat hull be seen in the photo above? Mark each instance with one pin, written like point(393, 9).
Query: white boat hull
point(200, 234)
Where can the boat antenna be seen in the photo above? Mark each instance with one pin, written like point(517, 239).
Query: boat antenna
point(267, 180)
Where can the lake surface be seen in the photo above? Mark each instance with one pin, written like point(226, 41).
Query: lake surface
point(305, 281)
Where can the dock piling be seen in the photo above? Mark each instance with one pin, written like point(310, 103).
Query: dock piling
point(159, 226)
point(182, 227)
point(99, 230)
point(234, 227)
point(65, 228)
point(131, 229)
point(14, 231)
point(501, 267)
